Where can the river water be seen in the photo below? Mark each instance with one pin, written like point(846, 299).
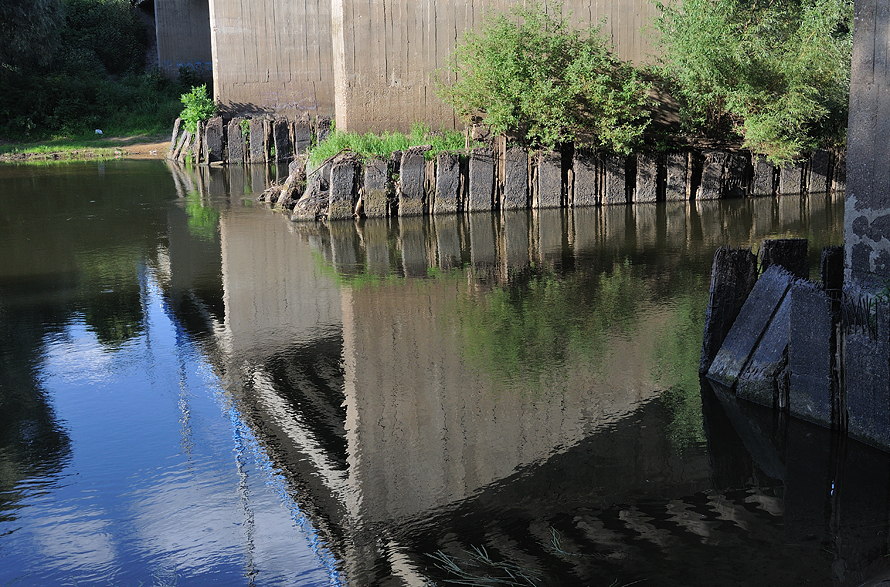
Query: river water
point(194, 390)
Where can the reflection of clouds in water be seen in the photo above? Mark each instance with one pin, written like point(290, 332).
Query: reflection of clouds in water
point(73, 538)
point(76, 356)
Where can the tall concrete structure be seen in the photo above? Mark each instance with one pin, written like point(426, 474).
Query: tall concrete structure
point(369, 63)
point(183, 36)
point(867, 213)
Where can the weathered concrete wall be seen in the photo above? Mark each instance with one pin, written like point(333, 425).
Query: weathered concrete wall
point(273, 57)
point(385, 52)
point(867, 217)
point(183, 36)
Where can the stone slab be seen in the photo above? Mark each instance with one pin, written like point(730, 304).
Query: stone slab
point(448, 241)
point(736, 176)
point(447, 199)
point(284, 149)
point(235, 142)
point(412, 240)
point(302, 136)
point(733, 275)
point(480, 195)
point(647, 179)
point(516, 240)
point(322, 128)
point(483, 247)
point(867, 380)
point(711, 187)
point(791, 179)
point(749, 326)
point(342, 190)
point(819, 178)
point(412, 175)
point(810, 390)
point(614, 179)
point(549, 192)
point(214, 140)
point(257, 140)
point(758, 381)
point(831, 269)
point(676, 177)
point(586, 178)
point(764, 181)
point(375, 237)
point(515, 179)
point(375, 192)
point(177, 124)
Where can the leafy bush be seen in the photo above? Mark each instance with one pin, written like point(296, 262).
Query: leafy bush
point(542, 81)
point(381, 146)
point(776, 73)
point(198, 107)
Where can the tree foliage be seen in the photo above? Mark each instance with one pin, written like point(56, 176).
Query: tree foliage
point(199, 106)
point(774, 71)
point(532, 75)
point(30, 33)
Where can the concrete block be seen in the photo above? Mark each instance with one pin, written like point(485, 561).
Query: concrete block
point(791, 178)
point(811, 391)
point(831, 269)
point(375, 189)
point(764, 182)
point(711, 187)
point(480, 195)
point(586, 178)
point(867, 379)
point(177, 125)
point(257, 140)
point(758, 381)
point(549, 192)
point(214, 140)
point(284, 149)
point(412, 175)
point(839, 173)
point(184, 145)
point(647, 179)
point(447, 198)
point(733, 275)
point(753, 320)
point(342, 194)
point(788, 253)
point(322, 128)
point(819, 178)
point(676, 177)
point(302, 136)
point(516, 241)
point(736, 176)
point(614, 179)
point(235, 143)
point(515, 179)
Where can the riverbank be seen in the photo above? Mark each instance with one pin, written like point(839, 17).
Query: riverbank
point(133, 147)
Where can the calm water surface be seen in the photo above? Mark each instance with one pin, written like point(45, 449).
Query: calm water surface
point(195, 391)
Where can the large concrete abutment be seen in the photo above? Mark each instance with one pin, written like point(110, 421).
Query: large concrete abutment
point(183, 36)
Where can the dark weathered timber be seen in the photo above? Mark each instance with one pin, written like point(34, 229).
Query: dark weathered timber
point(647, 179)
point(867, 378)
point(811, 390)
point(302, 136)
point(480, 195)
point(447, 200)
point(759, 380)
point(411, 182)
point(764, 182)
point(789, 253)
point(586, 178)
point(235, 142)
point(733, 275)
point(736, 176)
point(214, 140)
point(375, 189)
point(177, 124)
point(342, 191)
point(839, 176)
point(711, 187)
point(281, 139)
point(614, 179)
point(515, 179)
point(831, 268)
point(322, 128)
point(549, 190)
point(257, 140)
point(184, 144)
point(749, 326)
point(791, 178)
point(676, 177)
point(819, 178)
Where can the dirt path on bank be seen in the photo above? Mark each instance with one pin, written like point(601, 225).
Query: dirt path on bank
point(151, 147)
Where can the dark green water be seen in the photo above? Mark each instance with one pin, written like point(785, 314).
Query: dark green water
point(194, 389)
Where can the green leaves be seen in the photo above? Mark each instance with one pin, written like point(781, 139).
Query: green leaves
point(539, 79)
point(198, 107)
point(775, 72)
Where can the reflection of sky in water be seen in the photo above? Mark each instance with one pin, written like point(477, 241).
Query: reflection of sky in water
point(165, 482)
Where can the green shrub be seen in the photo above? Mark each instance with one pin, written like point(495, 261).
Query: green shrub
point(775, 73)
point(381, 146)
point(198, 107)
point(544, 82)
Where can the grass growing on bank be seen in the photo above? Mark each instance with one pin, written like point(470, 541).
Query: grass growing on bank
point(77, 148)
point(374, 146)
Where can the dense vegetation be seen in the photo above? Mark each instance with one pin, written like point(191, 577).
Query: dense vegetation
point(773, 75)
point(537, 78)
point(68, 67)
point(371, 145)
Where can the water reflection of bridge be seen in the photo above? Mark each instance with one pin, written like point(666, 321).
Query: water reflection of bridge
point(398, 443)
